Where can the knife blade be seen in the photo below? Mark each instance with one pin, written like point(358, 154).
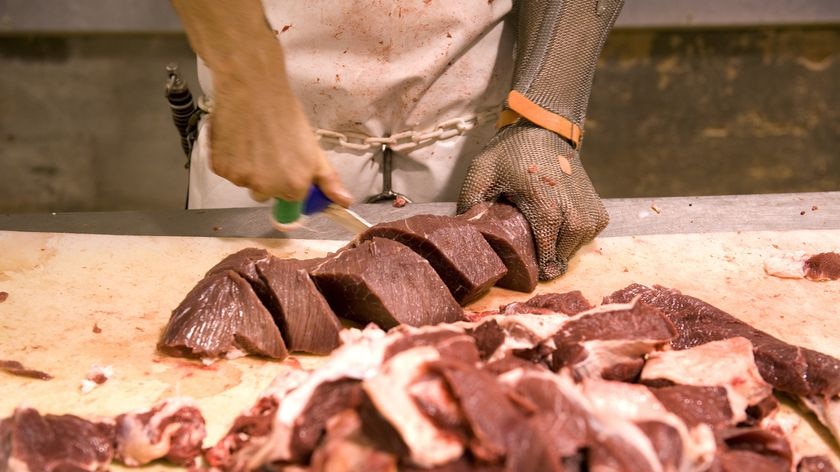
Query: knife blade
point(287, 216)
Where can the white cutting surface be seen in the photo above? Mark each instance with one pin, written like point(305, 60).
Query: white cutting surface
point(62, 285)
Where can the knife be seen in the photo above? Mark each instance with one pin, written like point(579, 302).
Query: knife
point(286, 215)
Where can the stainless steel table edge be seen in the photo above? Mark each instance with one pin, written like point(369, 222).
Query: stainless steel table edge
point(628, 216)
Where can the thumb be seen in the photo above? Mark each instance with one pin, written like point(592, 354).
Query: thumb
point(328, 180)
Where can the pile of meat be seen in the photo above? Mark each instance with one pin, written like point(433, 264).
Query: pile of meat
point(416, 271)
point(650, 380)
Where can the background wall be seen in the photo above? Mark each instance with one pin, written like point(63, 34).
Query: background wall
point(733, 97)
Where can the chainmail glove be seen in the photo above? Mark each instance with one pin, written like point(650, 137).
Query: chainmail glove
point(541, 174)
point(533, 160)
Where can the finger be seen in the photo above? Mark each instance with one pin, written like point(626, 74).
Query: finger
point(545, 216)
point(328, 180)
point(480, 183)
point(257, 196)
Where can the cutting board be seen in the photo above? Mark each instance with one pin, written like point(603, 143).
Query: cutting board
point(75, 301)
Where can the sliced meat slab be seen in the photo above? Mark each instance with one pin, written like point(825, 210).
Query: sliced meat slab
point(31, 442)
point(384, 282)
point(455, 249)
point(306, 321)
point(222, 316)
point(507, 231)
point(792, 369)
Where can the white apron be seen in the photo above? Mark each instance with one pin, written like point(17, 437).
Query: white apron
point(425, 77)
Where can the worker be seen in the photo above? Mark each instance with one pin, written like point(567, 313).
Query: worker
point(323, 91)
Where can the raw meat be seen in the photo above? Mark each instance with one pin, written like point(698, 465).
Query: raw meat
point(172, 429)
point(610, 341)
point(306, 321)
point(817, 267)
point(792, 369)
point(509, 234)
point(823, 266)
point(697, 405)
point(455, 249)
point(727, 363)
point(568, 303)
point(30, 442)
point(345, 448)
point(16, 368)
point(222, 316)
point(384, 282)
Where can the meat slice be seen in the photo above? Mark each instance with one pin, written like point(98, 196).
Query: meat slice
point(697, 405)
point(346, 449)
point(454, 248)
point(384, 282)
point(632, 420)
point(490, 414)
point(172, 429)
point(222, 316)
point(390, 394)
point(30, 442)
point(727, 363)
point(755, 449)
point(509, 234)
point(567, 303)
point(792, 369)
point(306, 321)
point(610, 341)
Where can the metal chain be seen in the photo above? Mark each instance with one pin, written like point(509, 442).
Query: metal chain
point(407, 139)
point(401, 141)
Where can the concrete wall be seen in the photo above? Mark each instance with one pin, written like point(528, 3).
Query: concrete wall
point(84, 125)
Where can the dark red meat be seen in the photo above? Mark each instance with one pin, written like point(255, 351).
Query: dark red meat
point(54, 443)
point(306, 321)
point(220, 315)
point(509, 234)
point(454, 248)
point(384, 282)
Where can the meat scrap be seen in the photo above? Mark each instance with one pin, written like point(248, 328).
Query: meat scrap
point(569, 303)
point(31, 442)
point(172, 429)
point(16, 368)
point(797, 265)
point(455, 249)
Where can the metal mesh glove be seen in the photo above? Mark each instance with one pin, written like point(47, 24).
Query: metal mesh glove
point(533, 160)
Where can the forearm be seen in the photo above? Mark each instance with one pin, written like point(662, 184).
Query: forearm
point(231, 37)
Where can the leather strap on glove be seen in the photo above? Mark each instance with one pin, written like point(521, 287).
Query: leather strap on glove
point(533, 159)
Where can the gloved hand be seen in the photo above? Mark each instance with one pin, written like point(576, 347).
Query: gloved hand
point(531, 160)
point(259, 135)
point(541, 174)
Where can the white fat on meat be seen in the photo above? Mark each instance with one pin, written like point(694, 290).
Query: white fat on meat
point(358, 358)
point(727, 363)
point(134, 437)
point(619, 405)
point(787, 266)
point(827, 411)
point(390, 392)
point(605, 353)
